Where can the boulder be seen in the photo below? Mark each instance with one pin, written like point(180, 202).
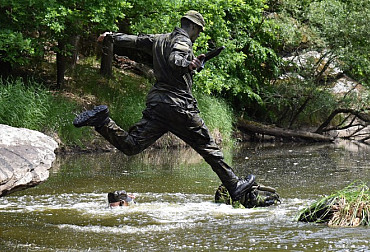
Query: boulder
point(25, 158)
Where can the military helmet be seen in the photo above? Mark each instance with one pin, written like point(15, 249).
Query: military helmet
point(195, 17)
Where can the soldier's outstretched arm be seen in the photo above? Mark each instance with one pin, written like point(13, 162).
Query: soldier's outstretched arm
point(141, 42)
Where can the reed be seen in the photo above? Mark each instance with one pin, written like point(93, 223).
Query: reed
point(349, 207)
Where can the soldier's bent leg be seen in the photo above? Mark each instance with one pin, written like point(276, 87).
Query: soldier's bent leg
point(211, 153)
point(139, 137)
point(190, 127)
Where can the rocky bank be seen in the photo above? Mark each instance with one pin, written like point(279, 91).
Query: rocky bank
point(25, 158)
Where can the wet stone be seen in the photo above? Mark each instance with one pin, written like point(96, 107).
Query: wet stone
point(25, 158)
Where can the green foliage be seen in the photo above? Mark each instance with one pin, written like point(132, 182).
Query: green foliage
point(295, 9)
point(238, 25)
point(152, 17)
point(294, 34)
point(35, 25)
point(337, 30)
point(254, 32)
point(14, 48)
point(344, 25)
point(82, 17)
point(284, 100)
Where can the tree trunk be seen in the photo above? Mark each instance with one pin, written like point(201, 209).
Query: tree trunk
point(360, 115)
point(63, 60)
point(107, 56)
point(74, 41)
point(252, 128)
point(61, 64)
point(300, 110)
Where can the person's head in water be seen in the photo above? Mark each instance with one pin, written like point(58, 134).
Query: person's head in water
point(120, 198)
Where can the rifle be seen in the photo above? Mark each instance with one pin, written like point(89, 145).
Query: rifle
point(209, 55)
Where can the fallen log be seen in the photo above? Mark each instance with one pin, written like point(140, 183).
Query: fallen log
point(252, 128)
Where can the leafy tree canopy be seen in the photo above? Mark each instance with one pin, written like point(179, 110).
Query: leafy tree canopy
point(26, 27)
point(344, 25)
point(249, 59)
point(255, 33)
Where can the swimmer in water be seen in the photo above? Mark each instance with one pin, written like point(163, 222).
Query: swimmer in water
point(120, 198)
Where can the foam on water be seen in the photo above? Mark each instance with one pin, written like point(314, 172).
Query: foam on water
point(154, 211)
point(126, 229)
point(96, 204)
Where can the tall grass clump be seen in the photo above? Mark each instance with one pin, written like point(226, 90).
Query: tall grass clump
point(59, 120)
point(23, 105)
point(30, 105)
point(217, 115)
point(347, 207)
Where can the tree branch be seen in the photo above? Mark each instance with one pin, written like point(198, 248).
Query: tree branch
point(363, 116)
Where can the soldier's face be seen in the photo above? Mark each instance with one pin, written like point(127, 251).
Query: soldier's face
point(196, 30)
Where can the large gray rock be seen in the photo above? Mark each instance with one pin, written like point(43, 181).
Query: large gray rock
point(25, 158)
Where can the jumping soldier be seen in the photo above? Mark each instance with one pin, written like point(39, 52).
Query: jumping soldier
point(170, 105)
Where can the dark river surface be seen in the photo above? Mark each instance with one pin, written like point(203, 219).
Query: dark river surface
point(175, 207)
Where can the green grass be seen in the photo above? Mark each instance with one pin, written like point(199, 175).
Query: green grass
point(23, 105)
point(217, 115)
point(123, 93)
point(59, 120)
point(31, 105)
point(347, 207)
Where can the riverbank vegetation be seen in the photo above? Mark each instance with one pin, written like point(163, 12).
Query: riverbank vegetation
point(283, 58)
point(347, 207)
point(30, 104)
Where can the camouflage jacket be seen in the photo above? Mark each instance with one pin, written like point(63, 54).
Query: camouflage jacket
point(172, 53)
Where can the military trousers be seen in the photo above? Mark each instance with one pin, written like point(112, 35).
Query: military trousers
point(185, 123)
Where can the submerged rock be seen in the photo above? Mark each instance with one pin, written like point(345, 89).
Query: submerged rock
point(258, 196)
point(25, 158)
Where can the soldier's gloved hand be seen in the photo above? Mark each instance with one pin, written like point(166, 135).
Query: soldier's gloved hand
point(102, 36)
point(197, 62)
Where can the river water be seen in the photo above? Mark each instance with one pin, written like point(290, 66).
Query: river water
point(175, 207)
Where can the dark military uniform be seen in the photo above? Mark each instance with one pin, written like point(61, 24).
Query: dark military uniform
point(170, 103)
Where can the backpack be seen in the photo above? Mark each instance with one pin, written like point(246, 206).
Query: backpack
point(257, 196)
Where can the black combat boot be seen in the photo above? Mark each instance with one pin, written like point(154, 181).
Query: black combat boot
point(238, 189)
point(236, 186)
point(96, 117)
